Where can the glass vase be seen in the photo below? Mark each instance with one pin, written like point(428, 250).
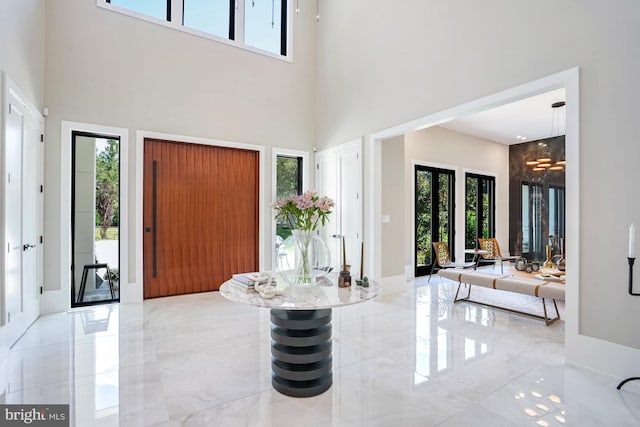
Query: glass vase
point(307, 259)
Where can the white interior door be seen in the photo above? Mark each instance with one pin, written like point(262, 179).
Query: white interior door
point(339, 176)
point(351, 203)
point(327, 182)
point(22, 213)
point(13, 213)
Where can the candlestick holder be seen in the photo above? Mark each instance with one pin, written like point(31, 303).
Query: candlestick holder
point(631, 261)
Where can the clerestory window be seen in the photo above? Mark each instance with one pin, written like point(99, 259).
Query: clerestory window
point(257, 25)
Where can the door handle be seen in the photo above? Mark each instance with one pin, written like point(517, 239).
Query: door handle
point(27, 246)
point(155, 219)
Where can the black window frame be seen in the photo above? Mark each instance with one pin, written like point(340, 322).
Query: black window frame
point(560, 214)
point(75, 134)
point(536, 247)
point(284, 28)
point(491, 190)
point(168, 8)
point(424, 270)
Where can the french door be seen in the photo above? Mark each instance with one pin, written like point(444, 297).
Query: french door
point(200, 216)
point(434, 214)
point(480, 207)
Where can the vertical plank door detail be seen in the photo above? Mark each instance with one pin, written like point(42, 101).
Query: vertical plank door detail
point(206, 216)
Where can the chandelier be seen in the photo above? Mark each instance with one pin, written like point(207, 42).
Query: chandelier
point(544, 162)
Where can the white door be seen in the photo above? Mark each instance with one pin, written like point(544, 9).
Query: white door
point(339, 176)
point(23, 204)
point(13, 212)
point(327, 182)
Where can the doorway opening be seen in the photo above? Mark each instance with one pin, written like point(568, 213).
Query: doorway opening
point(95, 218)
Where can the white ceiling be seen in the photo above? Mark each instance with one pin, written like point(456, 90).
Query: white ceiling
point(531, 118)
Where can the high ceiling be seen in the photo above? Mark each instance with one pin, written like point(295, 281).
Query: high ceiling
point(526, 120)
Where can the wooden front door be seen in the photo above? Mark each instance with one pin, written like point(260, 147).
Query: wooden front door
point(200, 216)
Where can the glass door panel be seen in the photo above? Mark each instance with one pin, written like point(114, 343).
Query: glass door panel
point(434, 213)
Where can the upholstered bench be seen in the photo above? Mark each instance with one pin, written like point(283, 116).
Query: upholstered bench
point(508, 282)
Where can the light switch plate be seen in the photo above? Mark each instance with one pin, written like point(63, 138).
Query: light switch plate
point(386, 219)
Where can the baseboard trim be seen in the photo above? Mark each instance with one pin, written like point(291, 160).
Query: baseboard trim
point(604, 357)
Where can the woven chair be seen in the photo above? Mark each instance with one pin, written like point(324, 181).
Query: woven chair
point(443, 260)
point(491, 245)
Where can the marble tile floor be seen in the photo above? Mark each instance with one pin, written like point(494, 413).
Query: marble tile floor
point(408, 358)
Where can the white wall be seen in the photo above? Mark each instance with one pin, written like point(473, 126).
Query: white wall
point(114, 70)
point(394, 233)
point(22, 46)
point(411, 60)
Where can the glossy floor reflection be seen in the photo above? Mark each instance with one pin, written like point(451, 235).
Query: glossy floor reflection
point(407, 358)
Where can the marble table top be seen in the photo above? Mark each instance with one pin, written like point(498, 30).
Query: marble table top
point(326, 294)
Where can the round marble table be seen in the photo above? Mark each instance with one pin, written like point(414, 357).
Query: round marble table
point(301, 362)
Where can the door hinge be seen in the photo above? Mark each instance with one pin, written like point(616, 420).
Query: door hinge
point(41, 239)
point(8, 317)
point(8, 247)
point(41, 290)
point(41, 137)
point(42, 188)
point(318, 166)
point(9, 178)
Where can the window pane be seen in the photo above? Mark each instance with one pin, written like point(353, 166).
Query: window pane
point(471, 215)
point(209, 16)
point(288, 180)
point(263, 24)
point(526, 230)
point(443, 207)
point(423, 217)
point(553, 212)
point(155, 8)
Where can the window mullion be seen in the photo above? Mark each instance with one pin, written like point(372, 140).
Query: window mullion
point(239, 21)
point(177, 13)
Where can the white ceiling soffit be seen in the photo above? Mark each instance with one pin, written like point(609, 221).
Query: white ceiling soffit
point(522, 121)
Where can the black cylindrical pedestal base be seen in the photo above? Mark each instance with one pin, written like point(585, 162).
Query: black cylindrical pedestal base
point(301, 361)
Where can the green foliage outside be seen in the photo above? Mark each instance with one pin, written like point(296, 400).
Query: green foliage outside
point(112, 234)
point(107, 188)
point(425, 235)
point(286, 185)
point(423, 217)
point(471, 221)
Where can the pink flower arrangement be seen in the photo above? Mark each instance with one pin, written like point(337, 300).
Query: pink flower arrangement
point(304, 211)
